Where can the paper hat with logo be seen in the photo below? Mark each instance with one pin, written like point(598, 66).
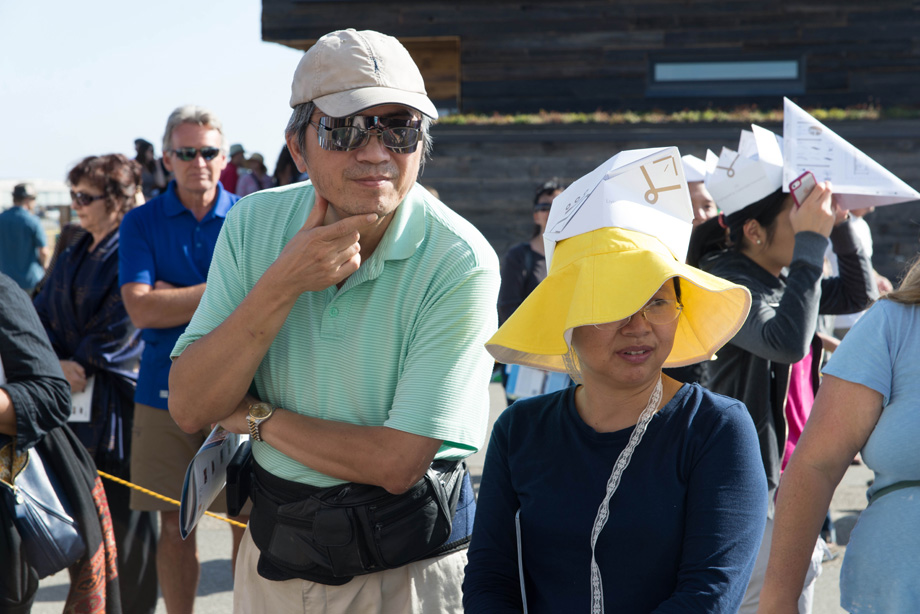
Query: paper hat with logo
point(613, 238)
point(736, 179)
point(858, 181)
point(694, 168)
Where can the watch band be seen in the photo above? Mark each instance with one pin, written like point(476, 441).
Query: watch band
point(253, 429)
point(255, 421)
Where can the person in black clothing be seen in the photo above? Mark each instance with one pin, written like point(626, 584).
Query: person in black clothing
point(34, 407)
point(524, 265)
point(776, 250)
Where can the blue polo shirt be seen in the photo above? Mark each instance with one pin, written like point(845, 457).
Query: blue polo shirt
point(21, 234)
point(162, 241)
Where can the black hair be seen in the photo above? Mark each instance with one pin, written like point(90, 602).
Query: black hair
point(727, 231)
point(548, 187)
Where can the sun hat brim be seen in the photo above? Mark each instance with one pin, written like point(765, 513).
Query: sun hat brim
point(606, 275)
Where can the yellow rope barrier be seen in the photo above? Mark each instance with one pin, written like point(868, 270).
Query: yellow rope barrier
point(167, 499)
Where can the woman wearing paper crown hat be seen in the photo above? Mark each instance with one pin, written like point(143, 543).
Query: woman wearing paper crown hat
point(630, 490)
point(765, 242)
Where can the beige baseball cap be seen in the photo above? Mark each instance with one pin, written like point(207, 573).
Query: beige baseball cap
point(347, 71)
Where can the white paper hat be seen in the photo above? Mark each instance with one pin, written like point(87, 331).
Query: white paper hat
point(740, 178)
point(694, 168)
point(858, 181)
point(613, 238)
point(642, 189)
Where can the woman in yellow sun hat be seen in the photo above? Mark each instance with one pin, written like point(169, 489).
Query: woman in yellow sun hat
point(630, 490)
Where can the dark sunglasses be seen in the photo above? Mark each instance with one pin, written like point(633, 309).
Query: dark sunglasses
point(187, 154)
point(83, 199)
point(399, 134)
point(543, 206)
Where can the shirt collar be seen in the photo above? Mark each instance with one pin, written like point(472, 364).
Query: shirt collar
point(173, 206)
point(400, 241)
point(407, 230)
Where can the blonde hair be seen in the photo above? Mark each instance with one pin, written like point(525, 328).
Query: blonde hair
point(908, 292)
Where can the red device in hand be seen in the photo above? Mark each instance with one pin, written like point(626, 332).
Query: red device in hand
point(802, 186)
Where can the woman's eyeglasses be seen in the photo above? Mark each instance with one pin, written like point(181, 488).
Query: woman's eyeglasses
point(187, 154)
point(399, 134)
point(82, 199)
point(658, 311)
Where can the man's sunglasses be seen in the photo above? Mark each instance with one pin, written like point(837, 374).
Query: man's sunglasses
point(399, 134)
point(187, 154)
point(83, 199)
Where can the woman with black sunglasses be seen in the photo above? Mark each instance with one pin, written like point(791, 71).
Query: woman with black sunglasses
point(99, 349)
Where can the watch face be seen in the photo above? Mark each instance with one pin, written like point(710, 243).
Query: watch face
point(260, 410)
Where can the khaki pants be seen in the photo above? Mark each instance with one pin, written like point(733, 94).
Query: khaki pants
point(431, 586)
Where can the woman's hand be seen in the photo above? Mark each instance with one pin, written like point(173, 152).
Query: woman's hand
point(818, 213)
point(75, 374)
point(841, 214)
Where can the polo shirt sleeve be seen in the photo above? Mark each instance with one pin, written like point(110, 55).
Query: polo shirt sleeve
point(224, 290)
point(442, 391)
point(136, 262)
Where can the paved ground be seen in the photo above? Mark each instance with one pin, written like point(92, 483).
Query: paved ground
point(215, 590)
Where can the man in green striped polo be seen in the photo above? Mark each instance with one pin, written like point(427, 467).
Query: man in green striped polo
point(343, 328)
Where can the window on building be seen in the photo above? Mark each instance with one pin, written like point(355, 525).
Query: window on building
point(726, 77)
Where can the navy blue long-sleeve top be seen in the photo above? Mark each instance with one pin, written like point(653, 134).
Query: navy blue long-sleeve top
point(685, 523)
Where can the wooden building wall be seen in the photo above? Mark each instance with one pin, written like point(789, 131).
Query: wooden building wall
point(489, 174)
point(583, 55)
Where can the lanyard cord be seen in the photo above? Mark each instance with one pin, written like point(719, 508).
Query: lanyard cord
point(603, 512)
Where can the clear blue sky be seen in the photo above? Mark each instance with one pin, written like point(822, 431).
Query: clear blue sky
point(81, 77)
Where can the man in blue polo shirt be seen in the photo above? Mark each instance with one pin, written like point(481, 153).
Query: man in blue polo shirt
point(165, 253)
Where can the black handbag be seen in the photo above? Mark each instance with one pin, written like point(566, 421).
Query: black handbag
point(32, 496)
point(334, 534)
point(239, 478)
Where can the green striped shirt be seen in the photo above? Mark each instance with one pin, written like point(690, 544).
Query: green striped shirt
point(401, 344)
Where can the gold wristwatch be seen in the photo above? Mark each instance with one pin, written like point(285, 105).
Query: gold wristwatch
point(258, 413)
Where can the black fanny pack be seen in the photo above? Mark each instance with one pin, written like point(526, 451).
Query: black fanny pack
point(330, 535)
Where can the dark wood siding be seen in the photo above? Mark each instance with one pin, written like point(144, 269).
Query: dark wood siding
point(489, 174)
point(584, 55)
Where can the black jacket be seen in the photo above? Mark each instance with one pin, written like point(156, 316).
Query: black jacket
point(41, 400)
point(754, 366)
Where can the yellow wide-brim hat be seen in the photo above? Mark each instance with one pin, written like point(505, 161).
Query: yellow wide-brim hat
point(606, 275)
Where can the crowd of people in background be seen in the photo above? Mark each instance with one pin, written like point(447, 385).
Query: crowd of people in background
point(175, 307)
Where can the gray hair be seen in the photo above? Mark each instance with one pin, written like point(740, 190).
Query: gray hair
point(300, 121)
point(193, 114)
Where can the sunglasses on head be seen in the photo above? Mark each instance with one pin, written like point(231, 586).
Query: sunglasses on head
point(399, 134)
point(187, 154)
point(83, 199)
